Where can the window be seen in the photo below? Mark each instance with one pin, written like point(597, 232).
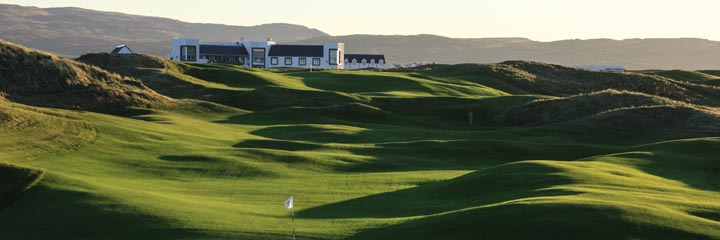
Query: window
point(273, 61)
point(316, 61)
point(354, 60)
point(333, 56)
point(302, 61)
point(188, 53)
point(372, 61)
point(258, 56)
point(364, 61)
point(288, 61)
point(381, 61)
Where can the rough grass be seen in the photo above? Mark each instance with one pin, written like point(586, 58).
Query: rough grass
point(520, 77)
point(41, 79)
point(553, 110)
point(372, 161)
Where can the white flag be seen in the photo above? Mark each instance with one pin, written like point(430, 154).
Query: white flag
point(289, 203)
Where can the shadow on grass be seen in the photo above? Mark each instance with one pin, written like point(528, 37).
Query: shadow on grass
point(15, 181)
point(45, 213)
point(491, 185)
point(359, 83)
point(142, 114)
point(278, 145)
point(531, 221)
point(691, 161)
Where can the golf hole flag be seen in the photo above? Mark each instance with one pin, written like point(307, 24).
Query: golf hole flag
point(289, 203)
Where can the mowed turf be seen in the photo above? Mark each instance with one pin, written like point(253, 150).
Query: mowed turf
point(363, 160)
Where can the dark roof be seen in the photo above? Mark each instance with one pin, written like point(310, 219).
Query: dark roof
point(296, 50)
point(223, 50)
point(368, 57)
point(118, 48)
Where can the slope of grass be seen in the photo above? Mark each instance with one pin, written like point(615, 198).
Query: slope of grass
point(392, 84)
point(392, 157)
point(28, 131)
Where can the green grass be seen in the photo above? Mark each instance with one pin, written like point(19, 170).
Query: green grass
point(367, 155)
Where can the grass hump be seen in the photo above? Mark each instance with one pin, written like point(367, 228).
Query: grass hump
point(41, 79)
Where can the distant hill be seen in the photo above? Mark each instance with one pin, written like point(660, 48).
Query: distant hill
point(75, 31)
point(682, 53)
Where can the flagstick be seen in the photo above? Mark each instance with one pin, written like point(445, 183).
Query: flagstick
point(292, 210)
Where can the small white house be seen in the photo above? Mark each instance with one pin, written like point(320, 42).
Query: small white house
point(603, 68)
point(122, 49)
point(365, 61)
point(259, 54)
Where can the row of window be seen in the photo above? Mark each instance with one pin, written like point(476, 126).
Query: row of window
point(364, 61)
point(224, 59)
point(289, 61)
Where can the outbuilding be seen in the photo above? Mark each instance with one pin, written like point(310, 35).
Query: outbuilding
point(122, 49)
point(603, 68)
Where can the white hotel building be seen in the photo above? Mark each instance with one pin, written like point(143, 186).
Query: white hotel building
point(268, 54)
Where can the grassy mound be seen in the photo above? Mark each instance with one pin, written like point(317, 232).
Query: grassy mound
point(14, 181)
point(41, 79)
point(520, 77)
point(715, 73)
point(553, 110)
point(392, 84)
point(344, 112)
point(662, 122)
point(129, 64)
point(448, 111)
point(688, 76)
point(270, 97)
point(538, 199)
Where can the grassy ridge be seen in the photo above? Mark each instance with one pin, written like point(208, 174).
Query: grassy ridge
point(41, 79)
point(391, 158)
point(520, 77)
point(690, 76)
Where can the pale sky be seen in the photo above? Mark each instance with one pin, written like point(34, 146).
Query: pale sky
point(543, 20)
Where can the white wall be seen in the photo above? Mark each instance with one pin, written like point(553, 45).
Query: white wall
point(125, 50)
point(266, 45)
point(325, 61)
point(175, 51)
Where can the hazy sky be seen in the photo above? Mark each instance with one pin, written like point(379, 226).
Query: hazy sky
point(536, 19)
